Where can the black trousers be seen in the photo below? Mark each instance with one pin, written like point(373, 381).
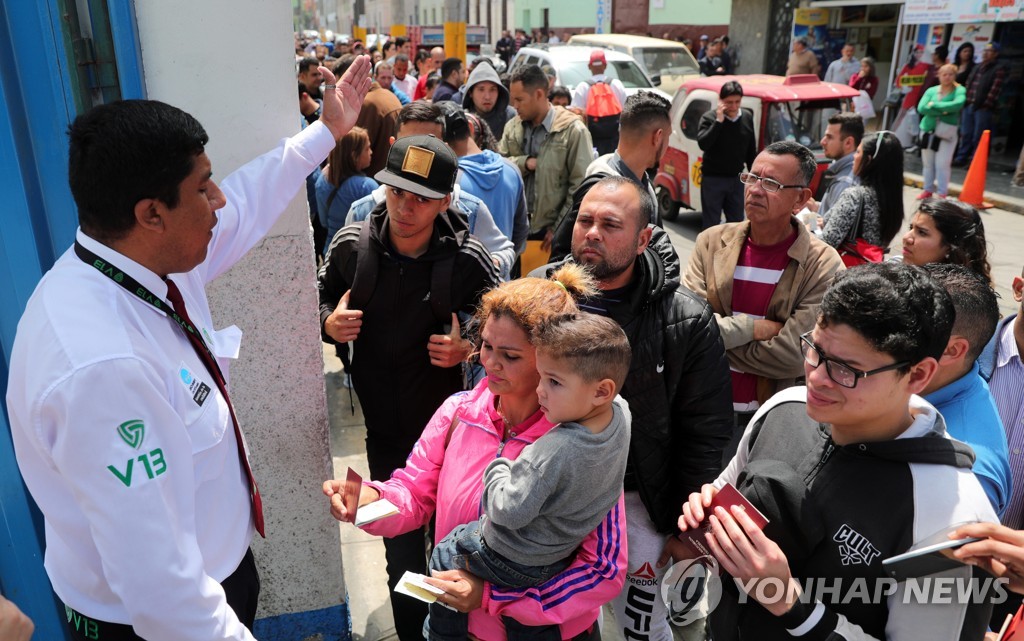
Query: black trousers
point(406, 552)
point(720, 194)
point(242, 589)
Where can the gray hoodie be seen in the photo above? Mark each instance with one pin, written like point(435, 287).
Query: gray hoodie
point(502, 112)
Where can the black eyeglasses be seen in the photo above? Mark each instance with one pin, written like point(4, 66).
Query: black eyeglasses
point(838, 371)
point(768, 184)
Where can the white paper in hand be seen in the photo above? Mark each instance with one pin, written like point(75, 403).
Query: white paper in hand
point(375, 511)
point(412, 584)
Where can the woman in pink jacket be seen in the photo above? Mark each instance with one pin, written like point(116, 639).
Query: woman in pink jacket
point(499, 417)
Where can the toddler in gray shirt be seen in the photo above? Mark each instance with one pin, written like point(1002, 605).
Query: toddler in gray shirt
point(539, 507)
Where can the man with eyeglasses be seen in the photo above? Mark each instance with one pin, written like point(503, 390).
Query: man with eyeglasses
point(852, 469)
point(764, 278)
point(391, 286)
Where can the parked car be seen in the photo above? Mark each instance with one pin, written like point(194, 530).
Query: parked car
point(783, 108)
point(496, 61)
point(670, 61)
point(569, 64)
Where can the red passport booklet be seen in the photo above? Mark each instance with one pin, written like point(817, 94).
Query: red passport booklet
point(728, 496)
point(1013, 627)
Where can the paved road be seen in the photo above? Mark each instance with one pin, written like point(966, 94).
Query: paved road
point(363, 555)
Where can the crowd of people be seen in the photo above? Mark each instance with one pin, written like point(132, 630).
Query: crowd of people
point(548, 435)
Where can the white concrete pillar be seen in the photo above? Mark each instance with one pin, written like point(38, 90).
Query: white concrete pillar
point(190, 53)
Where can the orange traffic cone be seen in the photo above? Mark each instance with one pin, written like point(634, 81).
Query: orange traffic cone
point(973, 192)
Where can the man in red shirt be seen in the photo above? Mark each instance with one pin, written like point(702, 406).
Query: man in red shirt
point(436, 58)
point(764, 277)
point(911, 81)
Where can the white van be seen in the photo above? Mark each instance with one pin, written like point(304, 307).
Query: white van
point(665, 60)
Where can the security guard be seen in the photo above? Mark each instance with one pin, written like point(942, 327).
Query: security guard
point(120, 414)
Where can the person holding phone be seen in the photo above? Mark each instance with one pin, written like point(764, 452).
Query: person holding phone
point(726, 136)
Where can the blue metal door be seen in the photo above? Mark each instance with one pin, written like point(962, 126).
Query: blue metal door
point(42, 83)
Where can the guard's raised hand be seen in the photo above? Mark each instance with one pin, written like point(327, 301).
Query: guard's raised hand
point(343, 99)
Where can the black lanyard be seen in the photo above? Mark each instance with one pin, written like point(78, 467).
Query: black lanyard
point(135, 287)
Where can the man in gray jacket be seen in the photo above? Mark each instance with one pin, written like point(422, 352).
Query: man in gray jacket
point(841, 139)
point(485, 96)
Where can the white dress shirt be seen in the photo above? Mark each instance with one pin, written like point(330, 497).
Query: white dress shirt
point(121, 434)
point(408, 85)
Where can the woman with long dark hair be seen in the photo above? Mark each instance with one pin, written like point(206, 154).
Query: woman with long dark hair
point(342, 181)
point(964, 61)
point(872, 210)
point(947, 231)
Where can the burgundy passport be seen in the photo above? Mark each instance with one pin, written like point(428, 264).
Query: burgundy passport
point(728, 496)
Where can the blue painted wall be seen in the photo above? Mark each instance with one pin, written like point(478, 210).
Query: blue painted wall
point(39, 221)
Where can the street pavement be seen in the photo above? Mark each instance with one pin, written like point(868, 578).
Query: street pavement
point(363, 555)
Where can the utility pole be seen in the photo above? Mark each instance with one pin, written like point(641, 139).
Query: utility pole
point(455, 28)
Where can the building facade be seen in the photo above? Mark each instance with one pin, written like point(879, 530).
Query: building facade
point(174, 52)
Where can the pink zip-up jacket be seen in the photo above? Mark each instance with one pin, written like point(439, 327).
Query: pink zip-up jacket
point(573, 599)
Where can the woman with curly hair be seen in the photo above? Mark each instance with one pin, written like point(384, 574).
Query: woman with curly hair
point(443, 477)
point(947, 231)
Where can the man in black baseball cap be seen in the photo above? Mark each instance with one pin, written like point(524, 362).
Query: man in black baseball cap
point(423, 165)
point(392, 286)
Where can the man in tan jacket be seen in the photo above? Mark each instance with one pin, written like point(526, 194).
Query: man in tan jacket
point(764, 278)
point(802, 60)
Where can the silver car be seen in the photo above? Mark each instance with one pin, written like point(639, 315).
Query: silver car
point(569, 64)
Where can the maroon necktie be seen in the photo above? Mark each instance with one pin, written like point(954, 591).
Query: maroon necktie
point(174, 295)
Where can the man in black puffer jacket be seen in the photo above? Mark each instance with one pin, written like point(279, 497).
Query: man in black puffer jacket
point(678, 387)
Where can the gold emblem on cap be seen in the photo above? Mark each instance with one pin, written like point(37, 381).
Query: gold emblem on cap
point(418, 161)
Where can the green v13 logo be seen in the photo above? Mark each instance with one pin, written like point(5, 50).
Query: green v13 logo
point(132, 432)
point(153, 463)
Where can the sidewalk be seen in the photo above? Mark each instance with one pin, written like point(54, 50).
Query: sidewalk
point(362, 555)
point(998, 189)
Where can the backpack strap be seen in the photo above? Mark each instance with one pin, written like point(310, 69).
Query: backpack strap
point(334, 192)
point(441, 289)
point(365, 279)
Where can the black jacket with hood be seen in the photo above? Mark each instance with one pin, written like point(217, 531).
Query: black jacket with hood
point(837, 511)
point(678, 387)
point(398, 388)
point(502, 112)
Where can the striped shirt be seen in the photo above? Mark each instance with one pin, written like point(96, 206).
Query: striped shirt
point(1007, 386)
point(757, 272)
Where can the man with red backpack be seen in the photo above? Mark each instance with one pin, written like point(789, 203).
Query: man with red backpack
point(600, 99)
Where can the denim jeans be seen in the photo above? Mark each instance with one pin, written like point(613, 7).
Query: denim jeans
point(973, 121)
point(465, 549)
